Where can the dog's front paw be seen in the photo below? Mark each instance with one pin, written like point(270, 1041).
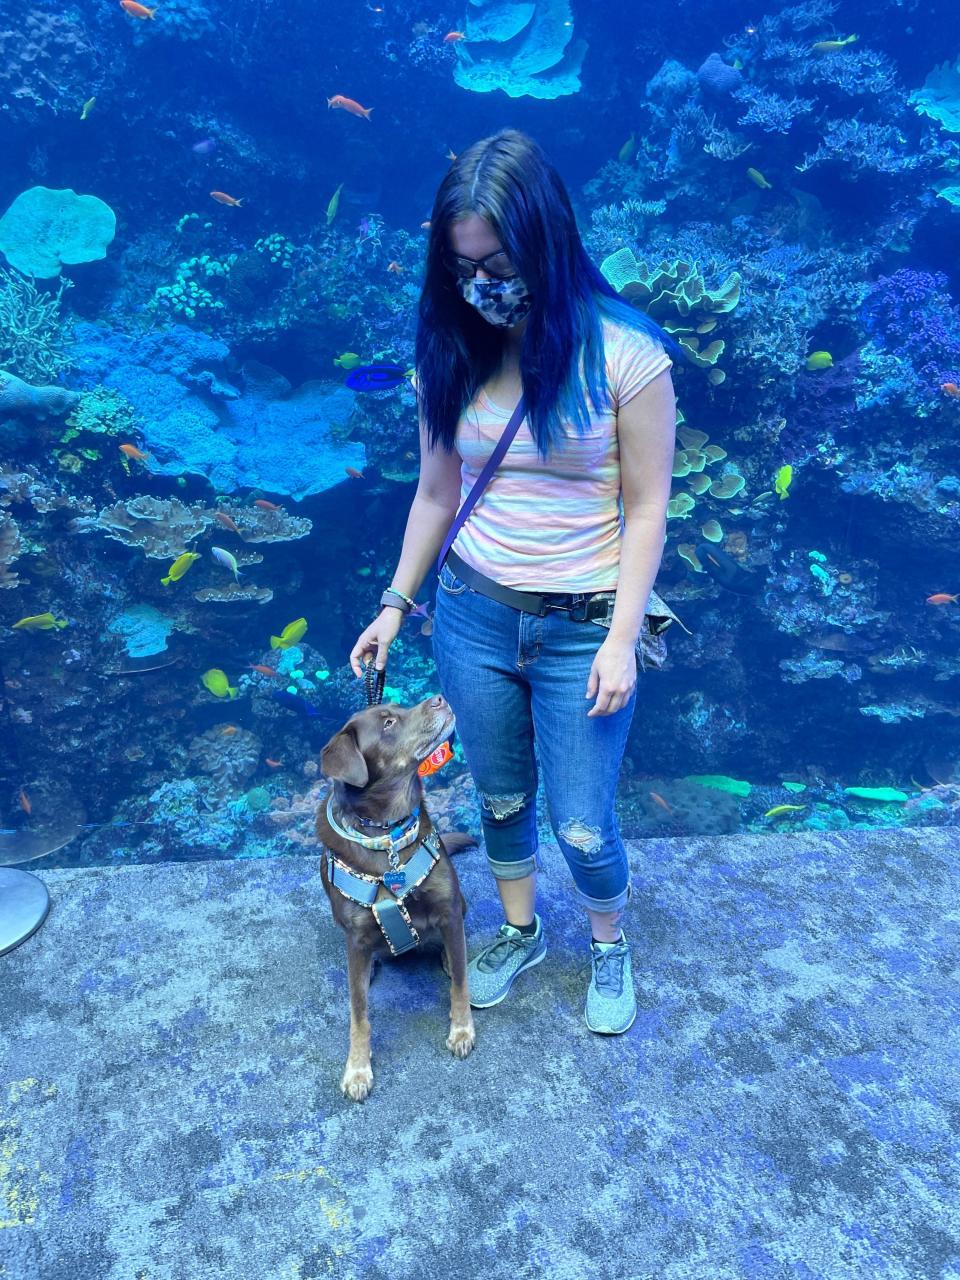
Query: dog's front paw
point(357, 1082)
point(461, 1040)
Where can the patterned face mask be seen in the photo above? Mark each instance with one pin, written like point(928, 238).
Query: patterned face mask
point(500, 302)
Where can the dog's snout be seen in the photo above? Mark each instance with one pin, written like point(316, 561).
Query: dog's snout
point(439, 703)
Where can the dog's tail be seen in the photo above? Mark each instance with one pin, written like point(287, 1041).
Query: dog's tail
point(456, 841)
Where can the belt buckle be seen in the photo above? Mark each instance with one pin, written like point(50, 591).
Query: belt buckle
point(578, 607)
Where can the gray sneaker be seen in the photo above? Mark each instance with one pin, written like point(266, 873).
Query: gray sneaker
point(490, 974)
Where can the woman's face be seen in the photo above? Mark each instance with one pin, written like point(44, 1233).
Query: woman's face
point(473, 237)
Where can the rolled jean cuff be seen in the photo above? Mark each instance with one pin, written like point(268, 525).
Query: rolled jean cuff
point(605, 904)
point(514, 870)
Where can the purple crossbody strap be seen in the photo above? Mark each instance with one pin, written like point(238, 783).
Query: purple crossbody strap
point(502, 445)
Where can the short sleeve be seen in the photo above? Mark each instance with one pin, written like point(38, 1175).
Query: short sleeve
point(634, 359)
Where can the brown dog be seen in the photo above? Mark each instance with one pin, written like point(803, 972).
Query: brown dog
point(372, 762)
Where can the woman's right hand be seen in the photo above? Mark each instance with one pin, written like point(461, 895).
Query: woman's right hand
point(376, 640)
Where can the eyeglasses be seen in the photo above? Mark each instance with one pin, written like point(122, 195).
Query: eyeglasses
point(495, 264)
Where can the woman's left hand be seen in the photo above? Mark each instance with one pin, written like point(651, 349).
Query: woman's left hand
point(613, 677)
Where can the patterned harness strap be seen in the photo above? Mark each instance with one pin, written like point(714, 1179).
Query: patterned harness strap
point(390, 913)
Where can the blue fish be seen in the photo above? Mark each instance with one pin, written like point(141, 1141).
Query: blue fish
point(375, 377)
point(293, 702)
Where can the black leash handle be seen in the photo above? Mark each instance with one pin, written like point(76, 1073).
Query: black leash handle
point(374, 681)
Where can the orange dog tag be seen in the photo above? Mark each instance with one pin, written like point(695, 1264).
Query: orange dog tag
point(435, 760)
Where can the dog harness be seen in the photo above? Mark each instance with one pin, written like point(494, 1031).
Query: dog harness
point(399, 881)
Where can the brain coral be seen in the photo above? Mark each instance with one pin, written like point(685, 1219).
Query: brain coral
point(44, 229)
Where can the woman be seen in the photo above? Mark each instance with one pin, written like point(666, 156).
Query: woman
point(511, 303)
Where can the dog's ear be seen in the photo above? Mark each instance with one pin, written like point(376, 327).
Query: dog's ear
point(343, 760)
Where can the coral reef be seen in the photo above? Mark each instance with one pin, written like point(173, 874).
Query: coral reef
point(45, 230)
point(10, 548)
point(160, 527)
point(525, 48)
point(31, 335)
point(19, 398)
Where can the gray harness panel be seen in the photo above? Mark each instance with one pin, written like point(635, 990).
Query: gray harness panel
point(390, 913)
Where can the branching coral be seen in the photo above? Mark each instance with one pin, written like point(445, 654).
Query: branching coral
point(769, 111)
point(859, 147)
point(31, 337)
point(10, 549)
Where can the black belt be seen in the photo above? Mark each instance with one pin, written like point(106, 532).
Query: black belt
point(582, 605)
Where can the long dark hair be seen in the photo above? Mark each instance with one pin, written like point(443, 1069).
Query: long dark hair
point(508, 180)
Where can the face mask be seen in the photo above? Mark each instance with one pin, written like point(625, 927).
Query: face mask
point(500, 302)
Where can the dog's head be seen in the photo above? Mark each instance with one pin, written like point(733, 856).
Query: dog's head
point(381, 747)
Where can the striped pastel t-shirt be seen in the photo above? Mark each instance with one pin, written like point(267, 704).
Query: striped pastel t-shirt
point(554, 525)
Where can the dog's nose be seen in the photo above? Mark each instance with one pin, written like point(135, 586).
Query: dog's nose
point(438, 703)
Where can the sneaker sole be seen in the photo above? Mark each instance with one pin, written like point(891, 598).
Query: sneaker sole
point(606, 1031)
point(531, 964)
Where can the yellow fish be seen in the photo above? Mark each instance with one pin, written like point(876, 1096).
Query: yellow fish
point(781, 481)
point(87, 108)
point(180, 567)
point(782, 808)
point(756, 176)
point(334, 204)
point(40, 622)
point(820, 360)
point(290, 634)
point(216, 681)
point(831, 46)
point(625, 154)
point(349, 360)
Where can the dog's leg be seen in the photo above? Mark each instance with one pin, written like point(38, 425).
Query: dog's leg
point(462, 1035)
point(358, 1076)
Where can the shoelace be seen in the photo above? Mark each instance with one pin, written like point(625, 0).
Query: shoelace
point(495, 957)
point(608, 966)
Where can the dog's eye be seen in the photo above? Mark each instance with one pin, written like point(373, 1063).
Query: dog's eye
point(389, 721)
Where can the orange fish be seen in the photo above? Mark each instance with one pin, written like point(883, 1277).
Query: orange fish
point(132, 451)
point(941, 597)
point(264, 505)
point(264, 671)
point(25, 804)
point(661, 802)
point(395, 267)
point(451, 154)
point(222, 198)
point(348, 104)
point(136, 10)
point(951, 389)
point(229, 730)
point(228, 522)
point(453, 36)
point(353, 473)
point(274, 764)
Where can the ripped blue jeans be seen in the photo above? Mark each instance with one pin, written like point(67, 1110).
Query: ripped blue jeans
point(513, 679)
